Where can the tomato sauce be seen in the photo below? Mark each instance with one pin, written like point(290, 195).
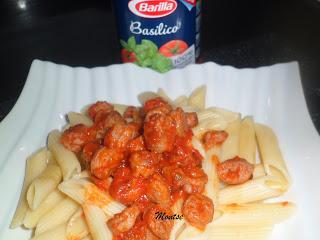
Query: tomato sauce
point(160, 34)
point(146, 166)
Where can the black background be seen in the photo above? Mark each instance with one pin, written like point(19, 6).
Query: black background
point(82, 33)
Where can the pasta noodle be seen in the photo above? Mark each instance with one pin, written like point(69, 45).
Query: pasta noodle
point(254, 214)
point(257, 189)
point(198, 97)
point(57, 233)
point(215, 112)
point(33, 216)
point(145, 96)
point(258, 171)
point(161, 93)
point(227, 232)
point(270, 152)
point(230, 147)
point(85, 192)
point(79, 118)
point(43, 185)
point(60, 214)
point(120, 107)
point(209, 124)
point(66, 159)
point(179, 225)
point(96, 220)
point(247, 140)
point(36, 163)
point(181, 101)
point(77, 227)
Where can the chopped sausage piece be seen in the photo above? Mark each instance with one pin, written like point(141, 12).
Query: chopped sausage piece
point(159, 133)
point(107, 121)
point(184, 156)
point(190, 179)
point(133, 114)
point(99, 107)
point(158, 190)
point(105, 161)
point(75, 137)
point(198, 210)
point(102, 184)
point(119, 135)
point(159, 227)
point(88, 152)
point(123, 221)
point(136, 144)
point(195, 180)
point(143, 163)
point(154, 103)
point(192, 119)
point(214, 138)
point(163, 110)
point(180, 121)
point(125, 187)
point(139, 231)
point(235, 171)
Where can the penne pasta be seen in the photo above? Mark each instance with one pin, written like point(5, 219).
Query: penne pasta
point(198, 97)
point(96, 220)
point(247, 140)
point(57, 233)
point(258, 171)
point(77, 227)
point(60, 214)
point(145, 96)
point(36, 164)
point(270, 151)
point(33, 216)
point(121, 108)
point(215, 112)
point(254, 214)
point(161, 93)
point(230, 147)
point(85, 192)
point(209, 167)
point(212, 186)
point(181, 101)
point(83, 174)
point(66, 159)
point(88, 237)
point(209, 124)
point(179, 225)
point(257, 189)
point(227, 232)
point(43, 185)
point(79, 118)
point(192, 233)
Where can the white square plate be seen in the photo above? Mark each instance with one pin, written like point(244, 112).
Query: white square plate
point(273, 95)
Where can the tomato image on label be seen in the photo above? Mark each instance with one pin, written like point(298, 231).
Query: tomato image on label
point(128, 56)
point(173, 48)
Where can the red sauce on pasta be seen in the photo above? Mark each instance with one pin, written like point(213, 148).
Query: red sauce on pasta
point(145, 160)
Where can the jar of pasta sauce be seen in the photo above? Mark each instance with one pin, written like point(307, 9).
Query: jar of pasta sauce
point(160, 34)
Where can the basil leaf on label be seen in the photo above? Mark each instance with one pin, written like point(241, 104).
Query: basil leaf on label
point(161, 63)
point(132, 43)
point(141, 51)
point(152, 48)
point(146, 62)
point(124, 44)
